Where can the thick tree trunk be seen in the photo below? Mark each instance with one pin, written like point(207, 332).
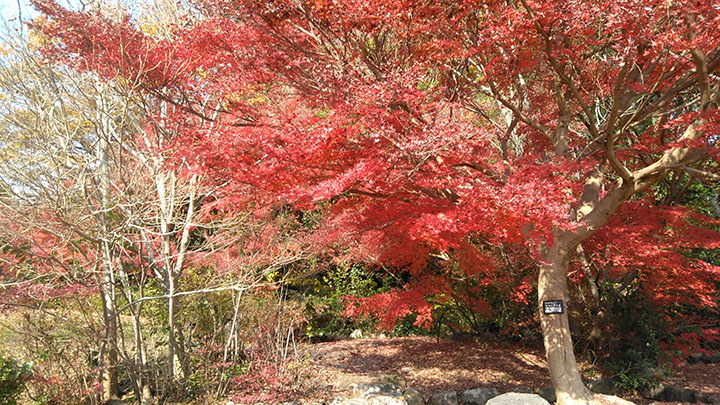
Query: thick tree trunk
point(564, 371)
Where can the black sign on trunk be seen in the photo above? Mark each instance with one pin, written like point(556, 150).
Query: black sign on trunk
point(553, 307)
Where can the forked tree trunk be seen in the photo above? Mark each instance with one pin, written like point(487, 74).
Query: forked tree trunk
point(564, 371)
point(144, 396)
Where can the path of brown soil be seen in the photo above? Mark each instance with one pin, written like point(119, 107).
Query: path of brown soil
point(423, 364)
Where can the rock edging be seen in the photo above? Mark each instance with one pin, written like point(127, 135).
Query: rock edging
point(673, 393)
point(387, 393)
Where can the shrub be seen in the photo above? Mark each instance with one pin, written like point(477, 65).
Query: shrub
point(13, 375)
point(633, 333)
point(58, 343)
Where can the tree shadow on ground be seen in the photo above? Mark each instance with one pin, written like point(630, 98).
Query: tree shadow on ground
point(423, 364)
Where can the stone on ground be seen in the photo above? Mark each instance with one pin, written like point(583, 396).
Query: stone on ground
point(413, 397)
point(370, 400)
point(548, 393)
point(515, 398)
point(364, 390)
point(601, 385)
point(479, 396)
point(444, 398)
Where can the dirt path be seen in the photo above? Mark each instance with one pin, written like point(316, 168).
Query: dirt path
point(423, 364)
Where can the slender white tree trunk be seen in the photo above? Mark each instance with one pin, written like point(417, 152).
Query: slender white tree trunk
point(109, 375)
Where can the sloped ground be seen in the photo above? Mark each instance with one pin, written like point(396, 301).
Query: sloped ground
point(430, 367)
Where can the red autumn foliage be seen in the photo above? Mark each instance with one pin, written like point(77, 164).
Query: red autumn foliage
point(424, 126)
point(654, 241)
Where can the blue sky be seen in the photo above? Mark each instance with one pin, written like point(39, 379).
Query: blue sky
point(9, 10)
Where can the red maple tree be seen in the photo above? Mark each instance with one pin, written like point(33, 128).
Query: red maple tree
point(425, 126)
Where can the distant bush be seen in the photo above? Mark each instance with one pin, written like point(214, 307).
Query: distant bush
point(324, 302)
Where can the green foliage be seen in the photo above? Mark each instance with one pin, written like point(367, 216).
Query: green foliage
point(354, 279)
point(13, 375)
point(633, 334)
point(512, 318)
point(702, 197)
point(324, 304)
point(711, 256)
point(632, 380)
point(407, 327)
